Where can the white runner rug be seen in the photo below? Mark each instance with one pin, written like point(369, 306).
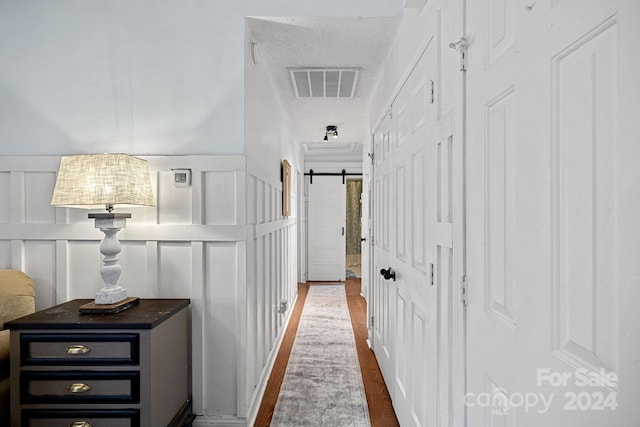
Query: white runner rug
point(322, 385)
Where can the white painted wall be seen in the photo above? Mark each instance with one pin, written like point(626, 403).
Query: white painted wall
point(221, 242)
point(272, 239)
point(140, 76)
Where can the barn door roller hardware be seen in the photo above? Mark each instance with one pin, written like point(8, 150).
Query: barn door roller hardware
point(343, 174)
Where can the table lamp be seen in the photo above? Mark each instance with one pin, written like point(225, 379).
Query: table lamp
point(105, 180)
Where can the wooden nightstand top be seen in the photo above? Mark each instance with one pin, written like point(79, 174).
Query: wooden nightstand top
point(146, 315)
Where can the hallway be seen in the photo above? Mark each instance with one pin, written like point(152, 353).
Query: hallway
point(378, 400)
point(497, 143)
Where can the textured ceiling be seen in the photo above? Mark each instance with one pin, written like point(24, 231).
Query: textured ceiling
point(284, 43)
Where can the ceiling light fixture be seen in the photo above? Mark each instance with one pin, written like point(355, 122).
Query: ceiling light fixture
point(332, 131)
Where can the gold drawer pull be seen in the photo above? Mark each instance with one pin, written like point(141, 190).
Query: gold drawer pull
point(78, 388)
point(78, 349)
point(80, 424)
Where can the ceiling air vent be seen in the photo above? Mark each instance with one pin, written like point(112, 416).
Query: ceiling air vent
point(333, 148)
point(324, 82)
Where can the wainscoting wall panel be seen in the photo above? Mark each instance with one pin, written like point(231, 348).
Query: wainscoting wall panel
point(40, 261)
point(220, 242)
point(173, 279)
point(271, 276)
point(5, 188)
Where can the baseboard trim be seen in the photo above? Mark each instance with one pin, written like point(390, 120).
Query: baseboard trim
point(203, 421)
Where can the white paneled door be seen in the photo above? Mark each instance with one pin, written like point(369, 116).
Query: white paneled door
point(553, 213)
point(327, 217)
point(417, 223)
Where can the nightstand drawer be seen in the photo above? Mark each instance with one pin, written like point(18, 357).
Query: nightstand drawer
point(79, 349)
point(80, 387)
point(76, 418)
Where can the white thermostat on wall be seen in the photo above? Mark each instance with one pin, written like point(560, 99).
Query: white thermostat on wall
point(181, 177)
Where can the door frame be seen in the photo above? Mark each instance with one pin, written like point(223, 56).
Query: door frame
point(359, 225)
point(368, 168)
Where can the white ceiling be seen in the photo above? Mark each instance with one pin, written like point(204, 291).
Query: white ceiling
point(289, 42)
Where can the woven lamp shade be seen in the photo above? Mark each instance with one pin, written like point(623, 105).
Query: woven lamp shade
point(97, 180)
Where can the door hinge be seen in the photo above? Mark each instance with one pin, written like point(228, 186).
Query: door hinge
point(433, 275)
point(461, 47)
point(371, 156)
point(433, 92)
point(464, 291)
point(372, 321)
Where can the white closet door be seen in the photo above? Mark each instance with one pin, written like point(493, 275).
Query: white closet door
point(417, 221)
point(553, 152)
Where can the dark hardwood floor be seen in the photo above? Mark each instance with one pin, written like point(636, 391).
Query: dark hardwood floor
point(270, 397)
point(380, 408)
point(378, 399)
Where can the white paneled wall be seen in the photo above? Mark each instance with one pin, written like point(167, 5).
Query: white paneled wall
point(271, 276)
point(220, 242)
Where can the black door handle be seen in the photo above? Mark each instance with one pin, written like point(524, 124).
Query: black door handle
point(363, 239)
point(389, 273)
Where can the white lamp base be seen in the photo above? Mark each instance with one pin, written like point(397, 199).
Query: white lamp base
point(110, 223)
point(111, 296)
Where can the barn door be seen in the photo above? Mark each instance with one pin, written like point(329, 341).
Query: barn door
point(327, 205)
point(552, 136)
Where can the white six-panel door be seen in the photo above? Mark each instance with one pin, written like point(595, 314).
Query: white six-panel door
point(553, 213)
point(383, 312)
point(417, 218)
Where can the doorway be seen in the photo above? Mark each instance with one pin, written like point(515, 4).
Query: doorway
point(353, 261)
